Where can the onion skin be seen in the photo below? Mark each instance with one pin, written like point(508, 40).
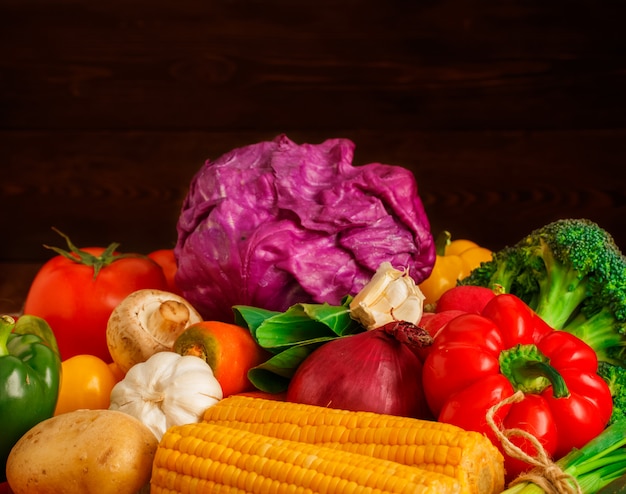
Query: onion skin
point(371, 371)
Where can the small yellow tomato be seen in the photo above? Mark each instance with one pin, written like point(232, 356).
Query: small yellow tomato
point(444, 276)
point(455, 260)
point(86, 383)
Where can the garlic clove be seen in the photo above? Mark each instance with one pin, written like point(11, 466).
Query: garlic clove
point(391, 295)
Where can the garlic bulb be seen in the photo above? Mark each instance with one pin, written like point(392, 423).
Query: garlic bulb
point(391, 295)
point(167, 389)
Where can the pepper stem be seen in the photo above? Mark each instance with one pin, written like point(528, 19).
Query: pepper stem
point(529, 370)
point(7, 323)
point(442, 241)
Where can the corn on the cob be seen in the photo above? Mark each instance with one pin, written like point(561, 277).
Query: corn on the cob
point(207, 458)
point(468, 457)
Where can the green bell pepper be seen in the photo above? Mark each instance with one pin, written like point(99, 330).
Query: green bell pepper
point(30, 374)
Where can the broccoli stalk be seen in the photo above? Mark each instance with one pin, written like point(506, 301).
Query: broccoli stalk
point(562, 287)
point(602, 332)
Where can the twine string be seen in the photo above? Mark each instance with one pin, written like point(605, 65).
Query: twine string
point(545, 473)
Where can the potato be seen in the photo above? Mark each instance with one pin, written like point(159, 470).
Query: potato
point(83, 452)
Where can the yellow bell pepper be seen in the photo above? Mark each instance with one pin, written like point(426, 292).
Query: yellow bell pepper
point(455, 260)
point(86, 382)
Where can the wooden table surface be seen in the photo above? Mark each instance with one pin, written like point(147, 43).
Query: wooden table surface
point(511, 114)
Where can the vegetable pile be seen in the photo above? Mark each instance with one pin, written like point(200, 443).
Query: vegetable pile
point(304, 333)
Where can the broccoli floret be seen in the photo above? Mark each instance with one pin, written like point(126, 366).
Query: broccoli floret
point(601, 321)
point(573, 275)
point(577, 257)
point(507, 272)
point(615, 377)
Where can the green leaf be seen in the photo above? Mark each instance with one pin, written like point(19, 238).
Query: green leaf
point(336, 318)
point(289, 328)
point(251, 317)
point(273, 375)
point(346, 300)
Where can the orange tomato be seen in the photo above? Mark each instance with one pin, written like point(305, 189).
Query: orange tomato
point(86, 382)
point(229, 349)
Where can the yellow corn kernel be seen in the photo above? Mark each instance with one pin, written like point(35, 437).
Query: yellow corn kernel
point(466, 456)
point(235, 460)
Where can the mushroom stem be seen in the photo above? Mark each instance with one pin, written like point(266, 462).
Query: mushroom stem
point(171, 317)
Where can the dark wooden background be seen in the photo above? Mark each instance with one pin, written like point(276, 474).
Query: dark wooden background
point(510, 113)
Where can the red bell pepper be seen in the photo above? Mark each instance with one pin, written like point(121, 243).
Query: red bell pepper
point(479, 360)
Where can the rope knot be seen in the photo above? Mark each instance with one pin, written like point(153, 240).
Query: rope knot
point(545, 473)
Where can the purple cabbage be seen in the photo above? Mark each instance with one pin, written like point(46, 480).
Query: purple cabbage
point(273, 224)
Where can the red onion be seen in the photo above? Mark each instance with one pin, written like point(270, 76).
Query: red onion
point(375, 371)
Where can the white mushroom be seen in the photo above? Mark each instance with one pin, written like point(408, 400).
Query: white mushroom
point(146, 322)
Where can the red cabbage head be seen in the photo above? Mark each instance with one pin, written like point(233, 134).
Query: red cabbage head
point(275, 223)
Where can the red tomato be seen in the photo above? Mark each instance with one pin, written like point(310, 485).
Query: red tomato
point(165, 258)
point(77, 303)
point(5, 489)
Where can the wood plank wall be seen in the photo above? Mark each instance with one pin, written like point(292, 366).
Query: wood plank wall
point(510, 113)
